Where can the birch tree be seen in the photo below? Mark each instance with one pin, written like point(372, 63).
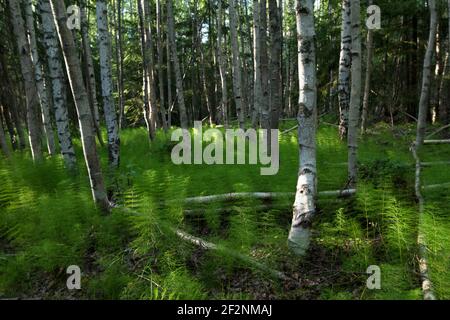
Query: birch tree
point(3, 143)
point(237, 71)
point(176, 65)
point(81, 100)
point(41, 85)
point(426, 76)
point(90, 72)
point(304, 206)
point(56, 74)
point(257, 95)
point(222, 65)
point(355, 97)
point(265, 97)
point(345, 61)
point(368, 78)
point(28, 74)
point(276, 80)
point(159, 49)
point(109, 109)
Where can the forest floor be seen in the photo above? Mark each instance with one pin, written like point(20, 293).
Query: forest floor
point(48, 222)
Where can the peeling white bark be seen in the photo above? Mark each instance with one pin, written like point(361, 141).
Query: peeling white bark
point(109, 109)
point(56, 74)
point(345, 61)
point(304, 205)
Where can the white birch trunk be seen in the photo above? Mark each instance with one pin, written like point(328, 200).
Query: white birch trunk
point(345, 61)
point(104, 44)
point(90, 72)
point(355, 97)
point(28, 74)
point(56, 74)
point(257, 95)
point(304, 205)
point(426, 77)
point(365, 108)
point(176, 65)
point(222, 65)
point(41, 86)
point(86, 122)
point(237, 71)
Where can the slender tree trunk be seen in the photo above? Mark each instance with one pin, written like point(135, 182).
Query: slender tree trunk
point(265, 102)
point(119, 54)
point(304, 205)
point(159, 40)
point(3, 144)
point(276, 80)
point(56, 73)
point(176, 65)
point(345, 62)
point(355, 98)
point(237, 71)
point(147, 110)
point(257, 95)
point(368, 78)
point(9, 124)
point(28, 74)
point(90, 72)
point(40, 80)
point(109, 109)
point(222, 64)
point(85, 119)
point(426, 77)
point(169, 81)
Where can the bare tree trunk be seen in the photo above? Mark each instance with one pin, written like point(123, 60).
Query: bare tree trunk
point(3, 144)
point(41, 86)
point(90, 72)
point(304, 205)
point(28, 74)
point(276, 80)
point(222, 65)
point(265, 102)
point(237, 71)
point(345, 62)
point(426, 77)
point(355, 98)
point(109, 109)
point(176, 65)
point(169, 81)
point(365, 108)
point(56, 74)
point(119, 54)
point(257, 95)
point(85, 119)
point(146, 110)
point(162, 102)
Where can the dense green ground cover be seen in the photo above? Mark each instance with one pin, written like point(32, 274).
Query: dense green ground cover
point(48, 222)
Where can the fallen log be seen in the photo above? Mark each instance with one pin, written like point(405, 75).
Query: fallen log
point(435, 163)
point(438, 131)
point(444, 141)
point(211, 246)
point(263, 196)
point(436, 186)
point(427, 287)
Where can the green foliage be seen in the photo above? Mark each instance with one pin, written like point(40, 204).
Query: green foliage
point(48, 222)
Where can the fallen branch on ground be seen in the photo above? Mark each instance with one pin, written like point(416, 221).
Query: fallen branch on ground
point(211, 246)
point(438, 131)
point(427, 287)
point(446, 141)
point(263, 196)
point(436, 163)
point(436, 186)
